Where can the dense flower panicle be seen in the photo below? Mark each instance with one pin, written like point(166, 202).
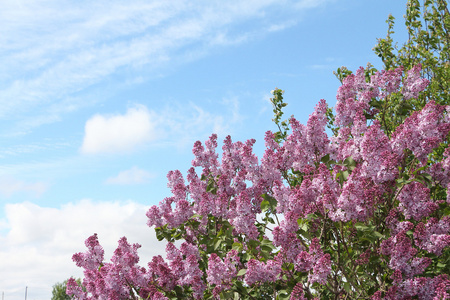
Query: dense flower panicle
point(348, 142)
point(126, 255)
point(297, 292)
point(316, 137)
point(421, 132)
point(258, 271)
point(303, 262)
point(357, 199)
point(220, 273)
point(154, 217)
point(284, 236)
point(379, 161)
point(176, 185)
point(415, 201)
point(92, 259)
point(440, 171)
point(75, 290)
point(355, 93)
point(402, 253)
point(388, 80)
point(109, 280)
point(414, 83)
point(206, 158)
point(160, 271)
point(184, 264)
point(321, 270)
point(425, 288)
point(434, 236)
point(307, 144)
point(346, 107)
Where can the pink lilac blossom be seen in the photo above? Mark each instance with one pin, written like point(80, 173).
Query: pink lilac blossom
point(358, 197)
point(259, 272)
point(348, 142)
point(396, 226)
point(325, 189)
point(314, 260)
point(413, 83)
point(206, 158)
point(303, 262)
point(161, 272)
point(415, 201)
point(75, 290)
point(284, 236)
point(424, 288)
point(297, 292)
point(220, 273)
point(273, 162)
point(244, 222)
point(346, 106)
point(421, 132)
point(92, 259)
point(108, 280)
point(440, 171)
point(184, 263)
point(402, 253)
point(388, 80)
point(307, 144)
point(321, 270)
point(379, 161)
point(434, 236)
point(355, 93)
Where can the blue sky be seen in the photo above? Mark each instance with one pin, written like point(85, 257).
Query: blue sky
point(100, 99)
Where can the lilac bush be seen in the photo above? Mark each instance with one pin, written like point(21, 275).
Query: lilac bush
point(361, 214)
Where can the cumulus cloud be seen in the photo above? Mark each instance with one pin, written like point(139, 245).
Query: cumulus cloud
point(131, 176)
point(178, 124)
point(10, 186)
point(38, 242)
point(118, 133)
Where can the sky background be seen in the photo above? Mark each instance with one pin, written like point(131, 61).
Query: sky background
point(100, 99)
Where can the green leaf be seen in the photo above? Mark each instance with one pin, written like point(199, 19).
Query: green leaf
point(265, 205)
point(325, 159)
point(266, 248)
point(241, 272)
point(237, 246)
point(217, 244)
point(282, 295)
point(350, 163)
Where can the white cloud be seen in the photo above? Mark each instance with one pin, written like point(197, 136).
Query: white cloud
point(10, 186)
point(38, 242)
point(131, 176)
point(178, 124)
point(118, 133)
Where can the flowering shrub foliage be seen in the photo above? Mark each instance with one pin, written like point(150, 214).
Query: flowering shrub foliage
point(363, 214)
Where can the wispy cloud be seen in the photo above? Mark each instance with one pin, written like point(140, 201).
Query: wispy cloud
point(131, 176)
point(42, 240)
point(10, 186)
point(52, 50)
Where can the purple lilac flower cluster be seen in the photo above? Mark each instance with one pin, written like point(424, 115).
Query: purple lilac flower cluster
point(362, 172)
